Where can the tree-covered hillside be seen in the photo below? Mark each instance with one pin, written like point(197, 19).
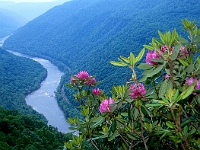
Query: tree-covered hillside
point(19, 76)
point(22, 132)
point(88, 34)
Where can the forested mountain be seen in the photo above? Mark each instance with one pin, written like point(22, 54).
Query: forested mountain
point(9, 22)
point(88, 34)
point(18, 77)
point(22, 132)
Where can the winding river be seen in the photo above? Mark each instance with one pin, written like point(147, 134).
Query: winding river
point(43, 100)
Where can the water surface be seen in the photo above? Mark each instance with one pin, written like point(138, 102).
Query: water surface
point(43, 100)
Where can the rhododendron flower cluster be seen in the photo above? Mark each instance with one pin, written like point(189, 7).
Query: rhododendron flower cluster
point(96, 91)
point(156, 54)
point(105, 105)
point(150, 56)
point(137, 90)
point(91, 81)
point(191, 80)
point(163, 49)
point(83, 76)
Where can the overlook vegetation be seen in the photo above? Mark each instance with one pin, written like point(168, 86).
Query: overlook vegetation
point(88, 34)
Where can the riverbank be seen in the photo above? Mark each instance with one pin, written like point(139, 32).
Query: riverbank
point(43, 99)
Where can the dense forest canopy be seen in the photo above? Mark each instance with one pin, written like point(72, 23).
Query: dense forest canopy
point(19, 131)
point(88, 34)
point(19, 76)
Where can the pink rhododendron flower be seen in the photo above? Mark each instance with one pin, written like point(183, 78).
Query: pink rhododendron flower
point(191, 80)
point(150, 56)
point(83, 75)
point(96, 91)
point(91, 81)
point(163, 49)
point(166, 76)
point(197, 85)
point(137, 90)
point(73, 80)
point(184, 51)
point(105, 105)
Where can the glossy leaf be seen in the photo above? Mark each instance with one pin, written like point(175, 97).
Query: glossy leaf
point(115, 63)
point(183, 62)
point(114, 135)
point(140, 55)
point(153, 71)
point(125, 59)
point(132, 59)
point(176, 52)
point(149, 47)
point(144, 66)
point(182, 40)
point(170, 125)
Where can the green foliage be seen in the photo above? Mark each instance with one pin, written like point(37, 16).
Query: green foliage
point(165, 116)
point(18, 131)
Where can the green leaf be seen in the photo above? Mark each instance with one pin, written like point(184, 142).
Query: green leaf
point(115, 134)
point(192, 131)
point(143, 79)
point(183, 62)
point(161, 36)
point(124, 114)
point(144, 66)
point(160, 102)
point(170, 125)
point(153, 71)
point(176, 52)
point(132, 59)
point(131, 137)
point(153, 105)
point(176, 95)
point(163, 88)
point(186, 121)
point(174, 35)
point(114, 125)
point(157, 41)
point(187, 92)
point(125, 59)
point(167, 39)
point(97, 123)
point(70, 121)
point(68, 145)
point(149, 47)
point(115, 63)
point(182, 40)
point(140, 55)
point(165, 134)
point(190, 68)
point(185, 131)
point(96, 119)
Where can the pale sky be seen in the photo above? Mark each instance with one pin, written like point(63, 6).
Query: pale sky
point(29, 0)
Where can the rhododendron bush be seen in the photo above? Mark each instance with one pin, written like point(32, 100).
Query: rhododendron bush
point(158, 110)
